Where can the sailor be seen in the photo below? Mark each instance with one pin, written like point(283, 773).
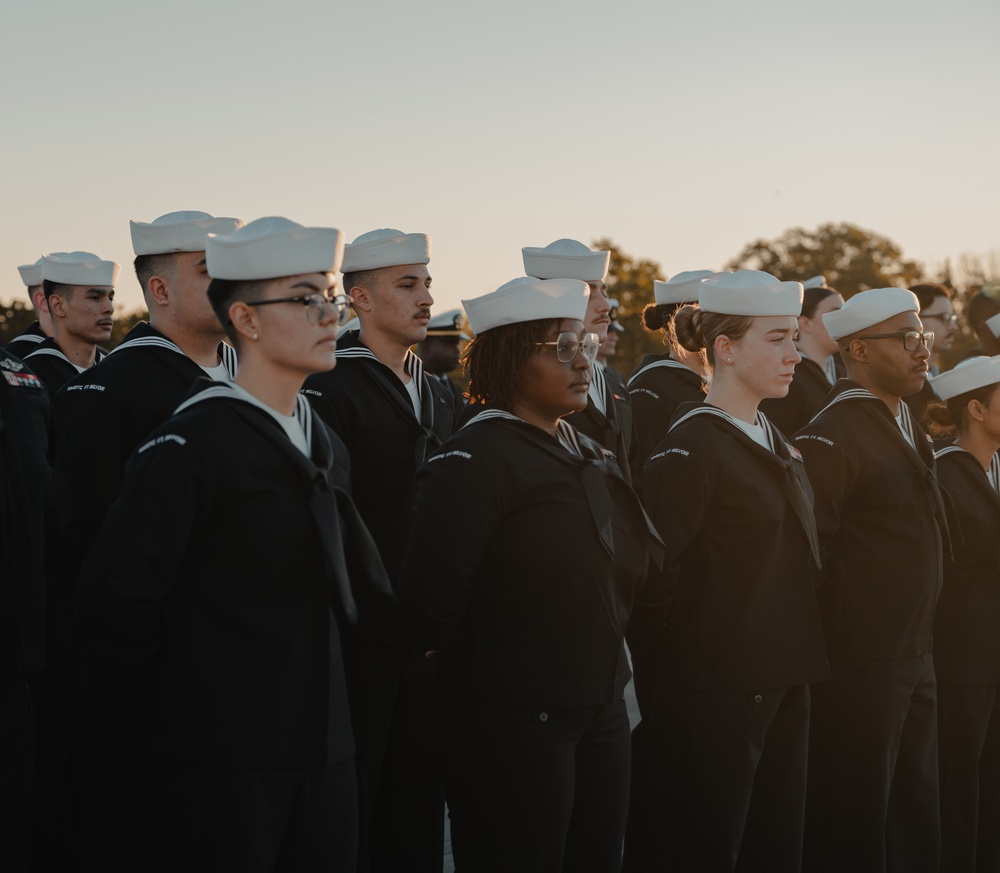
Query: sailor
point(936, 314)
point(219, 634)
point(721, 780)
point(41, 327)
point(441, 350)
point(820, 367)
point(663, 382)
point(966, 644)
point(527, 593)
point(873, 782)
point(79, 292)
point(609, 348)
point(391, 416)
point(24, 499)
point(608, 416)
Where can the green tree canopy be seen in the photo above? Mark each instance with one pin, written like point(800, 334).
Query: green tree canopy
point(852, 259)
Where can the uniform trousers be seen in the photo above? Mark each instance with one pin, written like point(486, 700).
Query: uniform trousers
point(400, 796)
point(17, 753)
point(969, 767)
point(872, 805)
point(534, 789)
point(724, 783)
point(273, 820)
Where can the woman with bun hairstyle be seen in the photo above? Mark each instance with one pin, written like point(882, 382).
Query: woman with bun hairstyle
point(525, 595)
point(820, 366)
point(724, 769)
point(966, 642)
point(661, 383)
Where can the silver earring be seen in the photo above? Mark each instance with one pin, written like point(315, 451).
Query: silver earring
point(728, 360)
point(256, 337)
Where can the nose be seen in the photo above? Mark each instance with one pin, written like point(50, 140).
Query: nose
point(792, 356)
point(109, 306)
point(580, 361)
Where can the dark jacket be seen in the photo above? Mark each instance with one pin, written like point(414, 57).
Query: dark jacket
point(612, 430)
point(53, 367)
point(26, 341)
point(806, 396)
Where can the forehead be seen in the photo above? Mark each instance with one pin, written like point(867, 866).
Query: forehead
point(938, 306)
point(902, 321)
point(304, 283)
point(392, 275)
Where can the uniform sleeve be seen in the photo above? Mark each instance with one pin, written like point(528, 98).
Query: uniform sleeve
point(460, 504)
point(650, 423)
point(138, 558)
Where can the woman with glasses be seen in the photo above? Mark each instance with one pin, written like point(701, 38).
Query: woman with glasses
point(936, 315)
point(721, 776)
point(527, 594)
point(966, 643)
point(211, 600)
point(817, 373)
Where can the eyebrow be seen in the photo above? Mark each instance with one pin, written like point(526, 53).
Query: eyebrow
point(305, 283)
point(413, 278)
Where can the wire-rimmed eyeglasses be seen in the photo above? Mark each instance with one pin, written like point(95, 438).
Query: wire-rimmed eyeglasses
point(912, 339)
point(568, 345)
point(316, 305)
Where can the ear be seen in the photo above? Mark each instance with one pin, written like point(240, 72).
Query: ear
point(158, 291)
point(38, 299)
point(858, 351)
point(57, 306)
point(723, 348)
point(976, 410)
point(361, 298)
point(244, 319)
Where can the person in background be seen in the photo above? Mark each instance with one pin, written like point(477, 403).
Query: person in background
point(441, 350)
point(819, 370)
point(79, 293)
point(38, 330)
point(872, 803)
point(609, 348)
point(526, 593)
point(720, 770)
point(966, 644)
point(936, 315)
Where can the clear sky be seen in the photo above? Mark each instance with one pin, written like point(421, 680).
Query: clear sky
point(682, 130)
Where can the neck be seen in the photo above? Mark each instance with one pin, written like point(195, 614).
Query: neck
point(533, 418)
point(274, 387)
point(388, 351)
point(890, 400)
point(734, 400)
point(688, 359)
point(812, 351)
point(81, 352)
point(200, 347)
point(979, 445)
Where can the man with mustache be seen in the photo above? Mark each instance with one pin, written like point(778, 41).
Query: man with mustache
point(608, 416)
point(79, 292)
point(391, 417)
point(872, 797)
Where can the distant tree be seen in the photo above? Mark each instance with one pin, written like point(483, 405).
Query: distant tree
point(852, 259)
point(14, 318)
point(630, 282)
point(124, 322)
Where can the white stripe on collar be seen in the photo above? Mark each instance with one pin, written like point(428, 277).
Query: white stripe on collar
point(665, 362)
point(565, 432)
point(411, 364)
point(768, 428)
point(57, 353)
point(227, 354)
point(224, 391)
point(992, 474)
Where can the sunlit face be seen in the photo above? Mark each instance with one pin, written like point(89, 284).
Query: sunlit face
point(598, 318)
point(85, 312)
point(400, 304)
point(814, 327)
point(938, 318)
point(550, 389)
point(764, 359)
point(609, 346)
point(892, 369)
point(287, 338)
point(189, 281)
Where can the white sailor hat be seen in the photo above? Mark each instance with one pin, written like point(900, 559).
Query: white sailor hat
point(386, 247)
point(749, 292)
point(270, 248)
point(815, 282)
point(994, 325)
point(615, 325)
point(967, 375)
point(79, 268)
point(566, 259)
point(31, 274)
point(178, 232)
point(868, 308)
point(682, 288)
point(447, 324)
point(353, 324)
point(528, 299)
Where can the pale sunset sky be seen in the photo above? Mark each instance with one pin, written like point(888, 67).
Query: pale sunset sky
point(682, 130)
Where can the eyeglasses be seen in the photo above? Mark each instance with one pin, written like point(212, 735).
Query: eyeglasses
point(912, 339)
point(316, 305)
point(568, 345)
point(946, 320)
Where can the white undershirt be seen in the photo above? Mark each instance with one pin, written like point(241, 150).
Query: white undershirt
point(755, 432)
point(596, 390)
point(289, 423)
point(219, 373)
point(411, 389)
point(906, 433)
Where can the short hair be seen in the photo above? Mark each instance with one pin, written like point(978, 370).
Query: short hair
point(223, 293)
point(147, 266)
point(981, 307)
point(697, 330)
point(495, 360)
point(49, 288)
point(359, 278)
point(945, 420)
point(812, 297)
point(929, 292)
